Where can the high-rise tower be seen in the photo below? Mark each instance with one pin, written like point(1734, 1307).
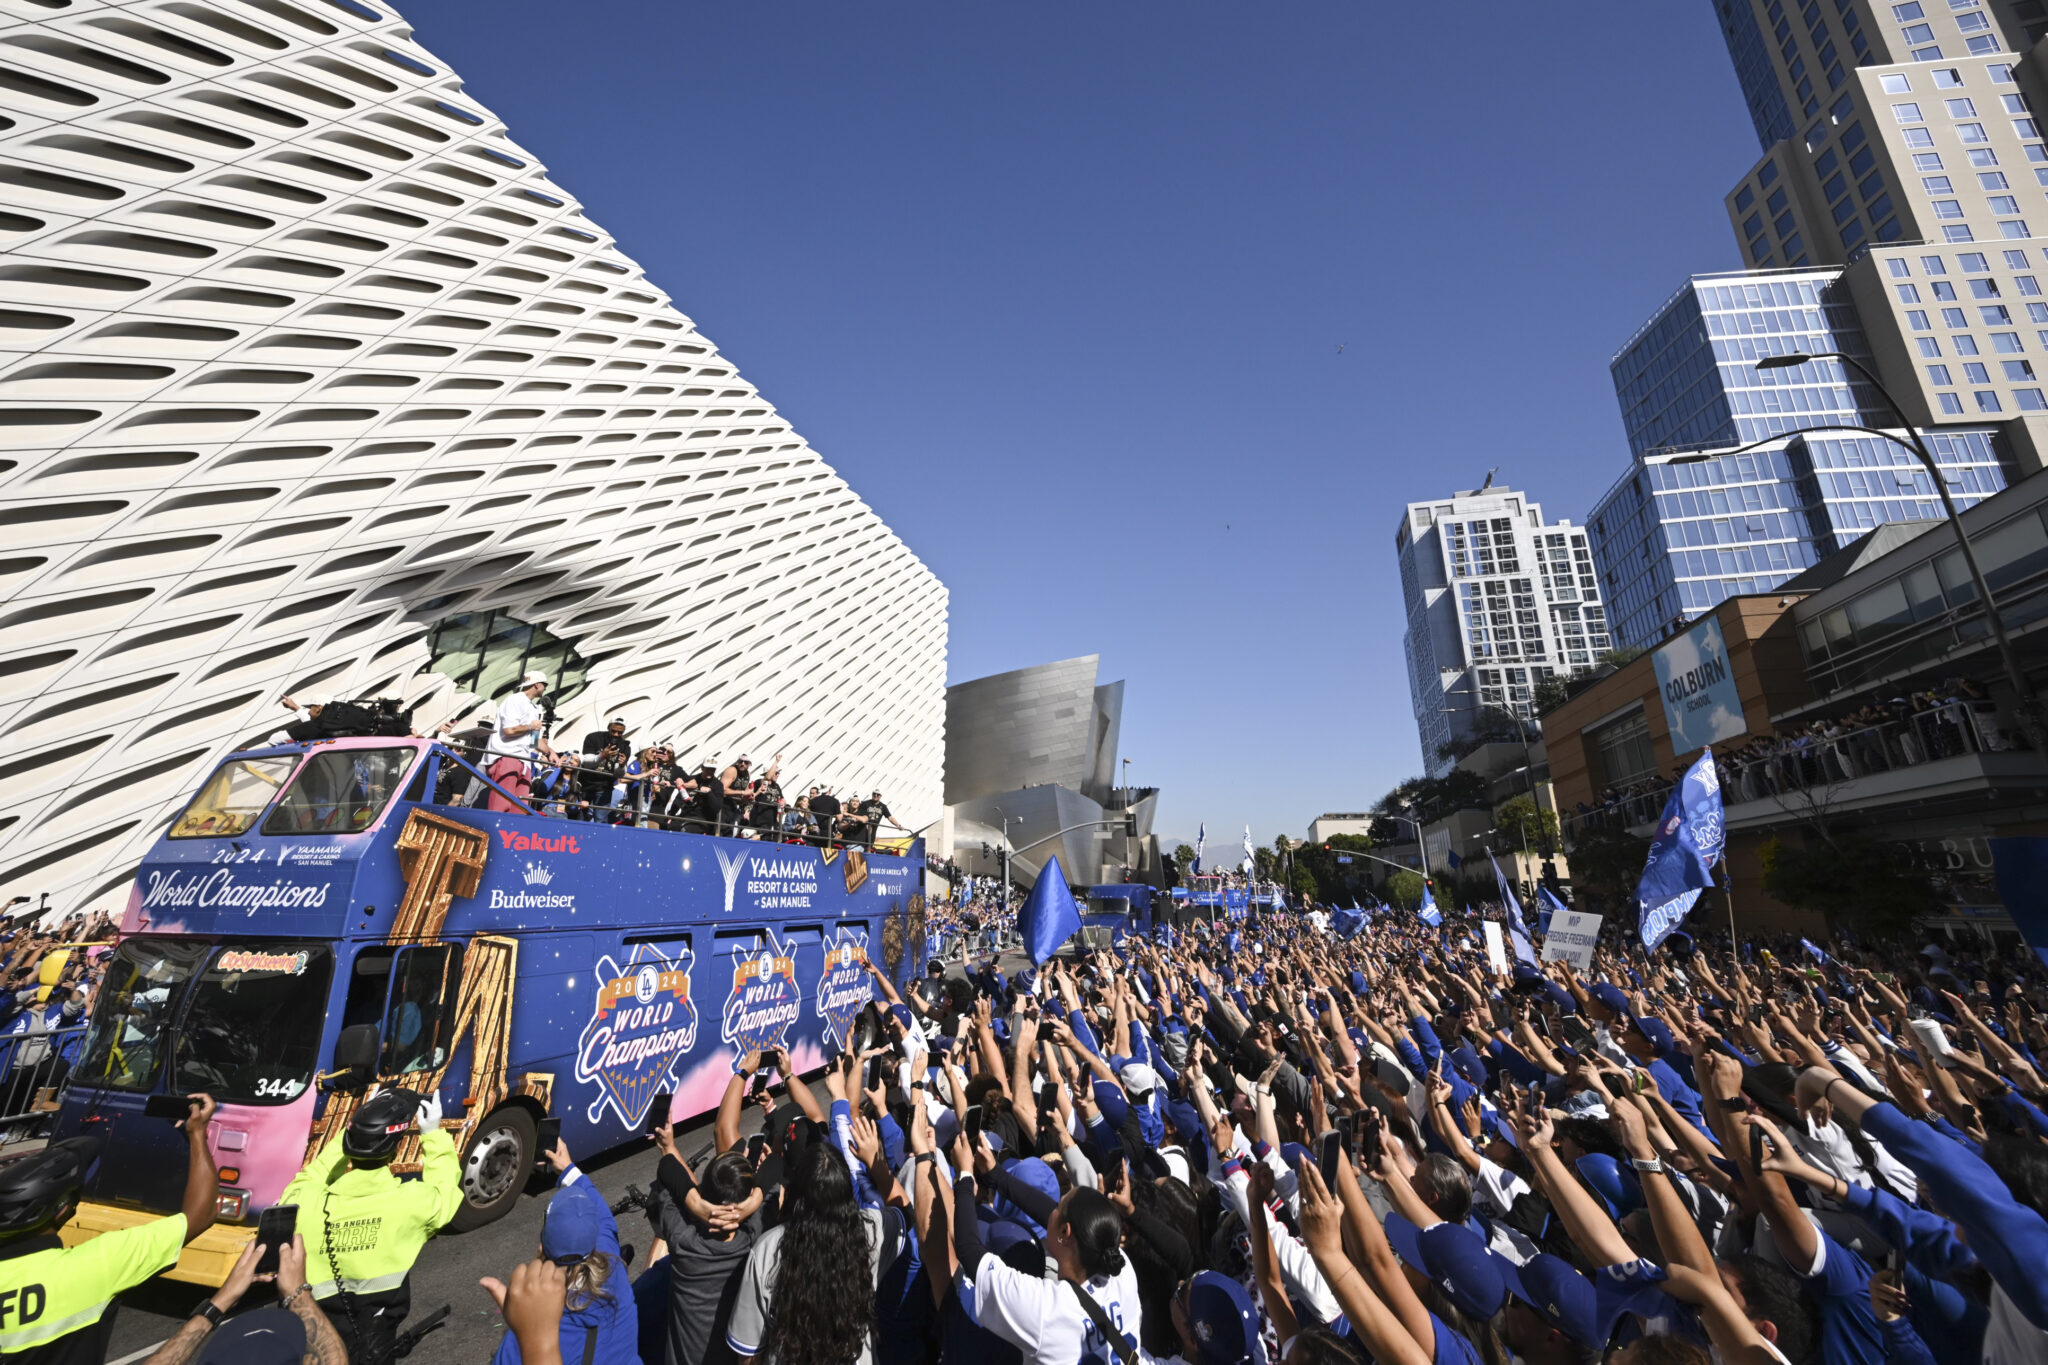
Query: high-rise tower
point(1496, 601)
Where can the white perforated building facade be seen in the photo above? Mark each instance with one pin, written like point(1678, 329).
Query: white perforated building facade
point(302, 357)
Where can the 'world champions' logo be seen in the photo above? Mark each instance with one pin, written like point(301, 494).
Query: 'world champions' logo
point(844, 986)
point(643, 1022)
point(765, 998)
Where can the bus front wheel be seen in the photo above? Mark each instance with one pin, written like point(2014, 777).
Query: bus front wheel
point(495, 1167)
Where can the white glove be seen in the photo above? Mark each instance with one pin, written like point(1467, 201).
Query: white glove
point(430, 1112)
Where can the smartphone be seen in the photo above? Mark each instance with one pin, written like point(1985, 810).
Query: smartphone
point(172, 1107)
point(973, 1126)
point(657, 1113)
point(549, 1134)
point(1756, 1146)
point(274, 1229)
point(1326, 1158)
point(1370, 1149)
point(871, 1073)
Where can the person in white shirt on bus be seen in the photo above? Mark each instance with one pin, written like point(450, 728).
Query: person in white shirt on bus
point(513, 742)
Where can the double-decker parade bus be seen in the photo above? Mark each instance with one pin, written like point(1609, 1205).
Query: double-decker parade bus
point(316, 920)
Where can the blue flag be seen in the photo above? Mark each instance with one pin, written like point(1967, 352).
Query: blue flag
point(1429, 914)
point(1546, 906)
point(1518, 932)
point(1682, 856)
point(1346, 923)
point(1820, 954)
point(1049, 917)
point(1201, 839)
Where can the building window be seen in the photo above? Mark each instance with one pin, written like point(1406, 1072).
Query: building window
point(2015, 230)
point(1968, 133)
point(1952, 318)
point(1930, 347)
point(2018, 371)
point(1900, 270)
point(2006, 343)
point(1983, 156)
point(1917, 320)
point(1964, 343)
point(1961, 108)
point(2000, 73)
point(1951, 404)
point(1973, 262)
point(1957, 232)
point(1943, 290)
point(1983, 289)
point(2014, 104)
point(2004, 203)
point(1948, 78)
point(1918, 137)
point(487, 652)
point(1983, 43)
point(1948, 208)
point(1987, 401)
point(1938, 375)
point(1927, 161)
point(2029, 400)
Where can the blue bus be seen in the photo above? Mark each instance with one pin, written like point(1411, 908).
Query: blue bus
point(316, 920)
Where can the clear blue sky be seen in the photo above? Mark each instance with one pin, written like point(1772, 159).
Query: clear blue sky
point(1059, 289)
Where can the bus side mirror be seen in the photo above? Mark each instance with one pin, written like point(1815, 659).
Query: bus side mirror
point(355, 1057)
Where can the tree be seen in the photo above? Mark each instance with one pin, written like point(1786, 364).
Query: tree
point(1404, 889)
point(1856, 882)
point(1184, 858)
point(1263, 863)
point(1606, 865)
point(1304, 883)
point(1522, 822)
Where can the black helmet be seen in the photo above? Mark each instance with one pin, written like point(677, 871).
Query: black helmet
point(36, 1188)
point(379, 1122)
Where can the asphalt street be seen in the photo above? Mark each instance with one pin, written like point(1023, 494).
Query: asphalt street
point(448, 1270)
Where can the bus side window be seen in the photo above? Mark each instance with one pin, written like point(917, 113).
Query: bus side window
point(422, 1015)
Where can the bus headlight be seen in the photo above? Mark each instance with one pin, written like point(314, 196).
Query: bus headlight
point(231, 1205)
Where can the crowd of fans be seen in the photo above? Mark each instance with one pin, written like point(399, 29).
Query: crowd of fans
point(48, 977)
point(1953, 718)
point(611, 779)
point(1267, 1142)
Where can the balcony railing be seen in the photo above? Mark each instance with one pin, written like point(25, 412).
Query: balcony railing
point(1820, 758)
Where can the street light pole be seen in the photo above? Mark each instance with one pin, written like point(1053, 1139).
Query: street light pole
point(2029, 708)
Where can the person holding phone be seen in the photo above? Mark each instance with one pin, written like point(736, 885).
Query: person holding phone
point(578, 1233)
point(294, 1322)
point(56, 1301)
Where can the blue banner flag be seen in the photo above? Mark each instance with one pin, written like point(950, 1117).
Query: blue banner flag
point(1201, 840)
point(1518, 932)
point(1820, 954)
point(1546, 906)
point(1049, 917)
point(1682, 856)
point(1429, 914)
point(1347, 923)
point(2020, 865)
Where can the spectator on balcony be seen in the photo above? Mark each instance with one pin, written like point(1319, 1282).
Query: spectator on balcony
point(736, 794)
point(514, 742)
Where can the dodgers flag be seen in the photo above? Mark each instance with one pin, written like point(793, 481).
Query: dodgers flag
point(1346, 923)
point(1546, 906)
point(1517, 931)
point(1049, 917)
point(1201, 839)
point(1429, 914)
point(1682, 856)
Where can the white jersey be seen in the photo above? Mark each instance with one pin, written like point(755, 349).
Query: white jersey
point(1042, 1317)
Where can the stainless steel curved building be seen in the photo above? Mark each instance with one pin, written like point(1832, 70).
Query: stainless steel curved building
point(312, 378)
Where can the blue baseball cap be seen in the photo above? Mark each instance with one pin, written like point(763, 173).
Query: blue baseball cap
point(1609, 996)
point(569, 1232)
point(1658, 1034)
point(1453, 1258)
point(1560, 1295)
point(1222, 1320)
point(1613, 1186)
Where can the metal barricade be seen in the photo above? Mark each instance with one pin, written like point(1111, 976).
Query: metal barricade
point(32, 1065)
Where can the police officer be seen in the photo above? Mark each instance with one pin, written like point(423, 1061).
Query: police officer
point(56, 1303)
point(364, 1227)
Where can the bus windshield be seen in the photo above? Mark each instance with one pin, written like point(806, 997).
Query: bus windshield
point(233, 797)
point(341, 791)
point(251, 1034)
point(136, 1001)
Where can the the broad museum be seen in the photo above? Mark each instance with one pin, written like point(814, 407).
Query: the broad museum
point(312, 379)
